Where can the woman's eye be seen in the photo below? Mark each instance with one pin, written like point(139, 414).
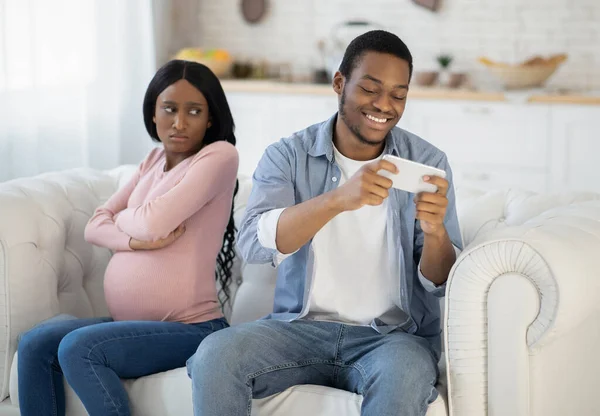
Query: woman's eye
point(194, 112)
point(169, 109)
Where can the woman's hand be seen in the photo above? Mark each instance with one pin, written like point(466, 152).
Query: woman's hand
point(155, 245)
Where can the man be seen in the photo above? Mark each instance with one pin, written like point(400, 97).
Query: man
point(360, 264)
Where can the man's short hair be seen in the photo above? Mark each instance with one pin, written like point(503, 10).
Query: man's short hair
point(374, 41)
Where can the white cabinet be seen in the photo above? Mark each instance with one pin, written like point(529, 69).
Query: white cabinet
point(251, 129)
point(489, 145)
point(575, 135)
point(262, 119)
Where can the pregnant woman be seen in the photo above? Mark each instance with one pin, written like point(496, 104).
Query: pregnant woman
point(170, 227)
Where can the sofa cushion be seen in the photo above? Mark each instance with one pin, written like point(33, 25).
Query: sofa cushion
point(170, 393)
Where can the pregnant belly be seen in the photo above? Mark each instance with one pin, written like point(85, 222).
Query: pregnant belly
point(148, 288)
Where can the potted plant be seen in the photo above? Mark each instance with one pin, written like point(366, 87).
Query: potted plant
point(444, 61)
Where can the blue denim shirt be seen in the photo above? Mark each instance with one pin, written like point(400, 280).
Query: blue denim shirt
point(302, 167)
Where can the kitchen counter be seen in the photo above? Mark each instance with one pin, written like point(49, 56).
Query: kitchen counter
point(276, 87)
point(566, 99)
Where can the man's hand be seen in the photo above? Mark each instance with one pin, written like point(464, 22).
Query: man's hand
point(299, 223)
point(431, 207)
point(155, 245)
point(365, 187)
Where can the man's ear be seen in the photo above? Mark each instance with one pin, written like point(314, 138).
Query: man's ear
point(338, 83)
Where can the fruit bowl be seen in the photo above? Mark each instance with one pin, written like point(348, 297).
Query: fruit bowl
point(529, 74)
point(218, 60)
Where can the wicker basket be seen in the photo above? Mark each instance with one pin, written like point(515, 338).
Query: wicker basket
point(529, 74)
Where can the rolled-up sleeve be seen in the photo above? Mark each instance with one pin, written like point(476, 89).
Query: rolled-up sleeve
point(429, 285)
point(272, 191)
point(267, 233)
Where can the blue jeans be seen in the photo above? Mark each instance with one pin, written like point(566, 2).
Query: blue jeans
point(93, 354)
point(395, 373)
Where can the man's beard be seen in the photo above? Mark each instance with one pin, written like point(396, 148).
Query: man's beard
point(353, 128)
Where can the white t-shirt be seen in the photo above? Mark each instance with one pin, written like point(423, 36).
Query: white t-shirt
point(352, 283)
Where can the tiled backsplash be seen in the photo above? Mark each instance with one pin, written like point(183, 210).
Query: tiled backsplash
point(506, 30)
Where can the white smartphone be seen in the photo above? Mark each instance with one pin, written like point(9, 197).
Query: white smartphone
point(410, 175)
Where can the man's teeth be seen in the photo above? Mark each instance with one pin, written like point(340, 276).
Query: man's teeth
point(378, 120)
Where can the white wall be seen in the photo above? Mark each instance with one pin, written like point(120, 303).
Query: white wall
point(510, 30)
point(175, 26)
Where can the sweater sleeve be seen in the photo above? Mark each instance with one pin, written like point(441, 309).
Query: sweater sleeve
point(213, 170)
point(101, 229)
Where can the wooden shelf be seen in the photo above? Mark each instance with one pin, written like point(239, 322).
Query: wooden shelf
point(275, 87)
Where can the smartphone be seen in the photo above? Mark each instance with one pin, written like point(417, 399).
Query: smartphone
point(410, 175)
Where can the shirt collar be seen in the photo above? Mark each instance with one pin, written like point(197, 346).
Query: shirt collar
point(323, 145)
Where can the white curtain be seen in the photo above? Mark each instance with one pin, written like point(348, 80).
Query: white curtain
point(72, 79)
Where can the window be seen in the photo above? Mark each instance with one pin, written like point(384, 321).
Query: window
point(46, 43)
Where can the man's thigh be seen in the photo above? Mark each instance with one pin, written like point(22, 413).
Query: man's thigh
point(274, 355)
point(397, 360)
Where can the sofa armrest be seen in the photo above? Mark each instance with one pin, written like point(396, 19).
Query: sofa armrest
point(558, 254)
point(46, 267)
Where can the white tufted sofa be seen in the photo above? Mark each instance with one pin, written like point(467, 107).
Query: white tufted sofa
point(522, 314)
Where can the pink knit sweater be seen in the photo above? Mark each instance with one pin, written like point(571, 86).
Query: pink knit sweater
point(177, 282)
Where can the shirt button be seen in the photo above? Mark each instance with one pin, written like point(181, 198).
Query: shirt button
point(334, 179)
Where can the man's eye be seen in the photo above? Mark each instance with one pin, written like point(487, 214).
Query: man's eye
point(367, 91)
point(399, 98)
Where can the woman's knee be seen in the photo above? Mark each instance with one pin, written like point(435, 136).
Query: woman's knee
point(39, 343)
point(73, 348)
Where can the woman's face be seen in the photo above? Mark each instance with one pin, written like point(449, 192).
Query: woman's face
point(181, 118)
